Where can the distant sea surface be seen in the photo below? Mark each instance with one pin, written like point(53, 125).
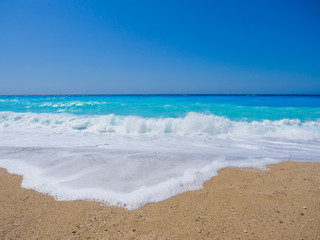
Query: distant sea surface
point(129, 150)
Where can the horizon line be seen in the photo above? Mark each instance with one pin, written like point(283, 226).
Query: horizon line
point(163, 94)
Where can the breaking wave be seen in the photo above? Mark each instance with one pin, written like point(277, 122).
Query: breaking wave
point(192, 124)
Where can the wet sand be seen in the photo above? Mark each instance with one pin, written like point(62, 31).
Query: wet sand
point(283, 203)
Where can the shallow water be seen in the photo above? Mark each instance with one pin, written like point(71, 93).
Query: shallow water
point(132, 150)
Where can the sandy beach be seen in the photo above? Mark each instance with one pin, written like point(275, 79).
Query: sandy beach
point(283, 203)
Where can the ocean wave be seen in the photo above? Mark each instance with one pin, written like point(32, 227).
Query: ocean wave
point(192, 124)
point(69, 104)
point(130, 161)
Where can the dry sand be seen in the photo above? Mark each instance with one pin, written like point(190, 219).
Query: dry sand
point(283, 203)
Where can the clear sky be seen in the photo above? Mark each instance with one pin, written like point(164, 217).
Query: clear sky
point(110, 47)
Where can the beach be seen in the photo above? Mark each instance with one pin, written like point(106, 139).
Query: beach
point(282, 203)
point(159, 120)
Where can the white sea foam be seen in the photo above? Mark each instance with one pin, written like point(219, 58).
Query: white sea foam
point(191, 124)
point(69, 104)
point(130, 161)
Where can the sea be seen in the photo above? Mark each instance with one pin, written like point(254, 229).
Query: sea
point(130, 150)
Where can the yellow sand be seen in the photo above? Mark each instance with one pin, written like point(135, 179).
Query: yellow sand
point(283, 203)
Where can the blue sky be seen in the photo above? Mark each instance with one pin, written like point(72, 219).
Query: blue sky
point(110, 47)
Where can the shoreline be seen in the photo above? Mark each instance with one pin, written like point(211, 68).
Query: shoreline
point(282, 203)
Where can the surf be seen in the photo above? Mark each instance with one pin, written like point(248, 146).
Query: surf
point(131, 154)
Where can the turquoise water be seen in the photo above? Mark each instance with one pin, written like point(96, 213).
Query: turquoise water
point(132, 150)
point(247, 108)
